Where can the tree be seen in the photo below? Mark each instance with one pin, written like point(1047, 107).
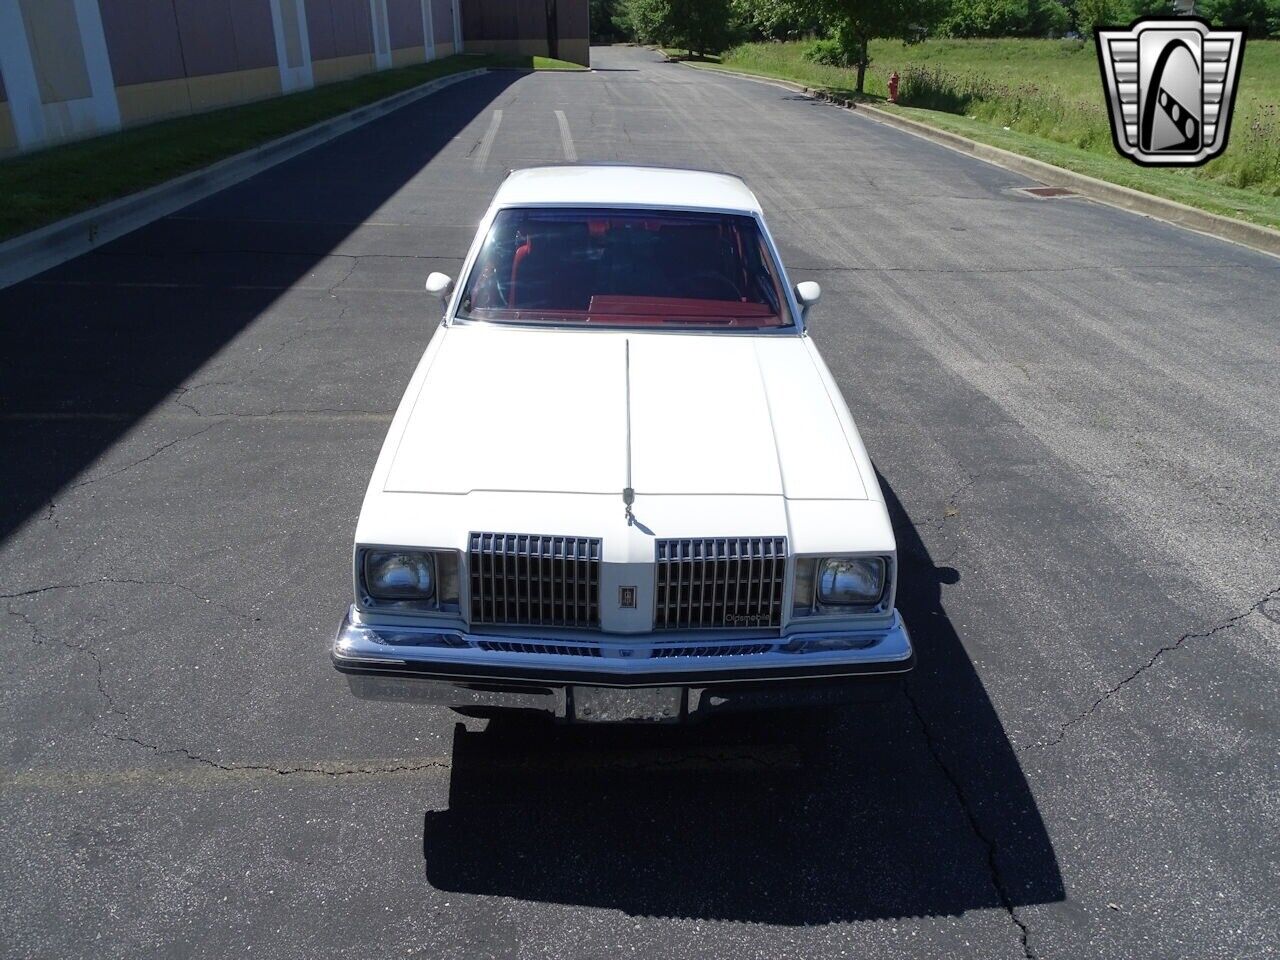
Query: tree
point(1147, 8)
point(1049, 18)
point(988, 18)
point(703, 26)
point(1007, 18)
point(776, 19)
point(1259, 17)
point(855, 23)
point(700, 26)
point(603, 16)
point(649, 21)
point(1092, 14)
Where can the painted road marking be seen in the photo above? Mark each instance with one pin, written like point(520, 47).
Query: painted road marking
point(566, 139)
point(482, 155)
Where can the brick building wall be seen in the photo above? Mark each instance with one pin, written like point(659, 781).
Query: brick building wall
point(530, 27)
point(77, 68)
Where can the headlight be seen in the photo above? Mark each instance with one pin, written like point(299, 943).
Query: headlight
point(399, 575)
point(850, 581)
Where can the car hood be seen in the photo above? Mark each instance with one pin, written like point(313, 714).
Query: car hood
point(540, 410)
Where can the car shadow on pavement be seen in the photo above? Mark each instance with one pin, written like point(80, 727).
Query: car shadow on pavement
point(913, 807)
point(92, 346)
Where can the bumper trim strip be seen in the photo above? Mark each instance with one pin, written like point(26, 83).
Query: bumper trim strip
point(429, 653)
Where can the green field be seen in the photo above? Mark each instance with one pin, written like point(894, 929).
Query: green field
point(1043, 98)
point(39, 188)
point(520, 61)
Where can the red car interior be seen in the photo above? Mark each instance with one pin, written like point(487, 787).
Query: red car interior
point(626, 268)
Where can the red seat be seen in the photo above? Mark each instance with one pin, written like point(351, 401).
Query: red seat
point(550, 270)
point(522, 251)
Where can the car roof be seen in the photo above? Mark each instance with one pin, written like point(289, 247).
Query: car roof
point(591, 185)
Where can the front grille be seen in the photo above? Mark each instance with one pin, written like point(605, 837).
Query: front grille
point(531, 580)
point(719, 582)
point(561, 649)
point(723, 650)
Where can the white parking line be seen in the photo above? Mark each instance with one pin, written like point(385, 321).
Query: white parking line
point(482, 155)
point(566, 139)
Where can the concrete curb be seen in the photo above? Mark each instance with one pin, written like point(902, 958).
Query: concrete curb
point(32, 253)
point(1250, 235)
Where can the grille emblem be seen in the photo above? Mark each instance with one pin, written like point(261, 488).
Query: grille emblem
point(627, 598)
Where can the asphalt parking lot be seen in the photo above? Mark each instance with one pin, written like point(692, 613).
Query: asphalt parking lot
point(1075, 415)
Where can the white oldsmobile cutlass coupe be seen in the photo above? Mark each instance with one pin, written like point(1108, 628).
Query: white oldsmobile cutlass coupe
point(622, 484)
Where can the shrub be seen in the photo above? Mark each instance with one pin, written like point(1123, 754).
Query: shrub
point(827, 52)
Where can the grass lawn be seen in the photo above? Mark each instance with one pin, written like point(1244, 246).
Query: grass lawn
point(1211, 195)
point(1043, 99)
point(39, 188)
point(514, 61)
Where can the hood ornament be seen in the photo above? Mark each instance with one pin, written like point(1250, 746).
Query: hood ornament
point(628, 493)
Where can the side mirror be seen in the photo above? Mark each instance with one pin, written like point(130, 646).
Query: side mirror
point(808, 293)
point(440, 285)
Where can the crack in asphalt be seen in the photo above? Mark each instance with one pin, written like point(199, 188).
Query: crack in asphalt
point(129, 581)
point(216, 414)
point(269, 768)
point(723, 758)
point(98, 478)
point(993, 865)
point(187, 253)
point(285, 411)
point(39, 638)
point(256, 365)
point(1084, 715)
point(183, 391)
point(351, 268)
point(832, 268)
point(949, 510)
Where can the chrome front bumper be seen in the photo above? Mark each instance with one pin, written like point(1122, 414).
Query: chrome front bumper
point(621, 679)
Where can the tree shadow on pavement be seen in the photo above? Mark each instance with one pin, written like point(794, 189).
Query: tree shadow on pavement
point(92, 346)
point(913, 807)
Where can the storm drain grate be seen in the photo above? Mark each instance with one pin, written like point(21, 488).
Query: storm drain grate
point(1047, 193)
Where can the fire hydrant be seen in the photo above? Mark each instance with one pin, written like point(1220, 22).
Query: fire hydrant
point(893, 87)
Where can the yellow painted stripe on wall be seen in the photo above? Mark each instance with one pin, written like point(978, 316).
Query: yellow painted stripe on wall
point(404, 56)
point(223, 89)
point(341, 68)
point(145, 102)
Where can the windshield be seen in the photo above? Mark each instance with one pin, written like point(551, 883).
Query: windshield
point(624, 268)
